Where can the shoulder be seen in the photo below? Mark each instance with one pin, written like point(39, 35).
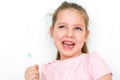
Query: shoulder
point(46, 66)
point(92, 57)
point(96, 59)
point(98, 66)
point(45, 70)
point(93, 54)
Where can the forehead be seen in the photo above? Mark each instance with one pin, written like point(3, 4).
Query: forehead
point(70, 15)
point(70, 10)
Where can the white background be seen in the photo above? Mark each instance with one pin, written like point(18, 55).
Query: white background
point(25, 40)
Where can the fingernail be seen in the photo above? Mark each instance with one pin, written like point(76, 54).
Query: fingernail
point(36, 66)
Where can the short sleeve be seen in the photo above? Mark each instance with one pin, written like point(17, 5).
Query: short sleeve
point(98, 66)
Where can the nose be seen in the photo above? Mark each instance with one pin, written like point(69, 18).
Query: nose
point(69, 33)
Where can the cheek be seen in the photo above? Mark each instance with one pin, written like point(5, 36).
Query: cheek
point(57, 38)
point(80, 38)
point(58, 35)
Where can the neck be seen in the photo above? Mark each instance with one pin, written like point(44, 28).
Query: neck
point(72, 56)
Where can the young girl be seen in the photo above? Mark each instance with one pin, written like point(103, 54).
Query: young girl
point(69, 32)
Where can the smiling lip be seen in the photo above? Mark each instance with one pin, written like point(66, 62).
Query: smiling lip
point(68, 45)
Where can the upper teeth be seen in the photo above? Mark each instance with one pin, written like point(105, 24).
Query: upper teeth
point(68, 42)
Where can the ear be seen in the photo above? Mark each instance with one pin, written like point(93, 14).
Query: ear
point(86, 35)
point(51, 32)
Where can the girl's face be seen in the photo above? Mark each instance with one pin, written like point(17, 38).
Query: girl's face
point(69, 33)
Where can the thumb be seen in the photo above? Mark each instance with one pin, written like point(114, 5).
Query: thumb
point(36, 66)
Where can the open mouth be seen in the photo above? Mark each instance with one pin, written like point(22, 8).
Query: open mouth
point(68, 45)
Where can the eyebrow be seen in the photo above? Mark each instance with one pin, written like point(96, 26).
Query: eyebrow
point(63, 23)
point(79, 25)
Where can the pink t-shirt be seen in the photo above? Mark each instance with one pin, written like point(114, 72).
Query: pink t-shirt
point(84, 67)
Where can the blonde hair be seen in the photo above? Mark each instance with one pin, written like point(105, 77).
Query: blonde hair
point(66, 5)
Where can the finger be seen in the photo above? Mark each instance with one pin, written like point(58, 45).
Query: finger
point(32, 68)
point(27, 73)
point(36, 66)
point(33, 72)
point(36, 79)
point(34, 76)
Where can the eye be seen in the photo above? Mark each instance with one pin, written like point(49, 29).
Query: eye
point(78, 28)
point(62, 27)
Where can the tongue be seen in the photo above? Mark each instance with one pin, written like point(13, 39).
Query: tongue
point(68, 46)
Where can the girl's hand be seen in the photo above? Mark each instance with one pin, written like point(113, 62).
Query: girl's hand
point(32, 73)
